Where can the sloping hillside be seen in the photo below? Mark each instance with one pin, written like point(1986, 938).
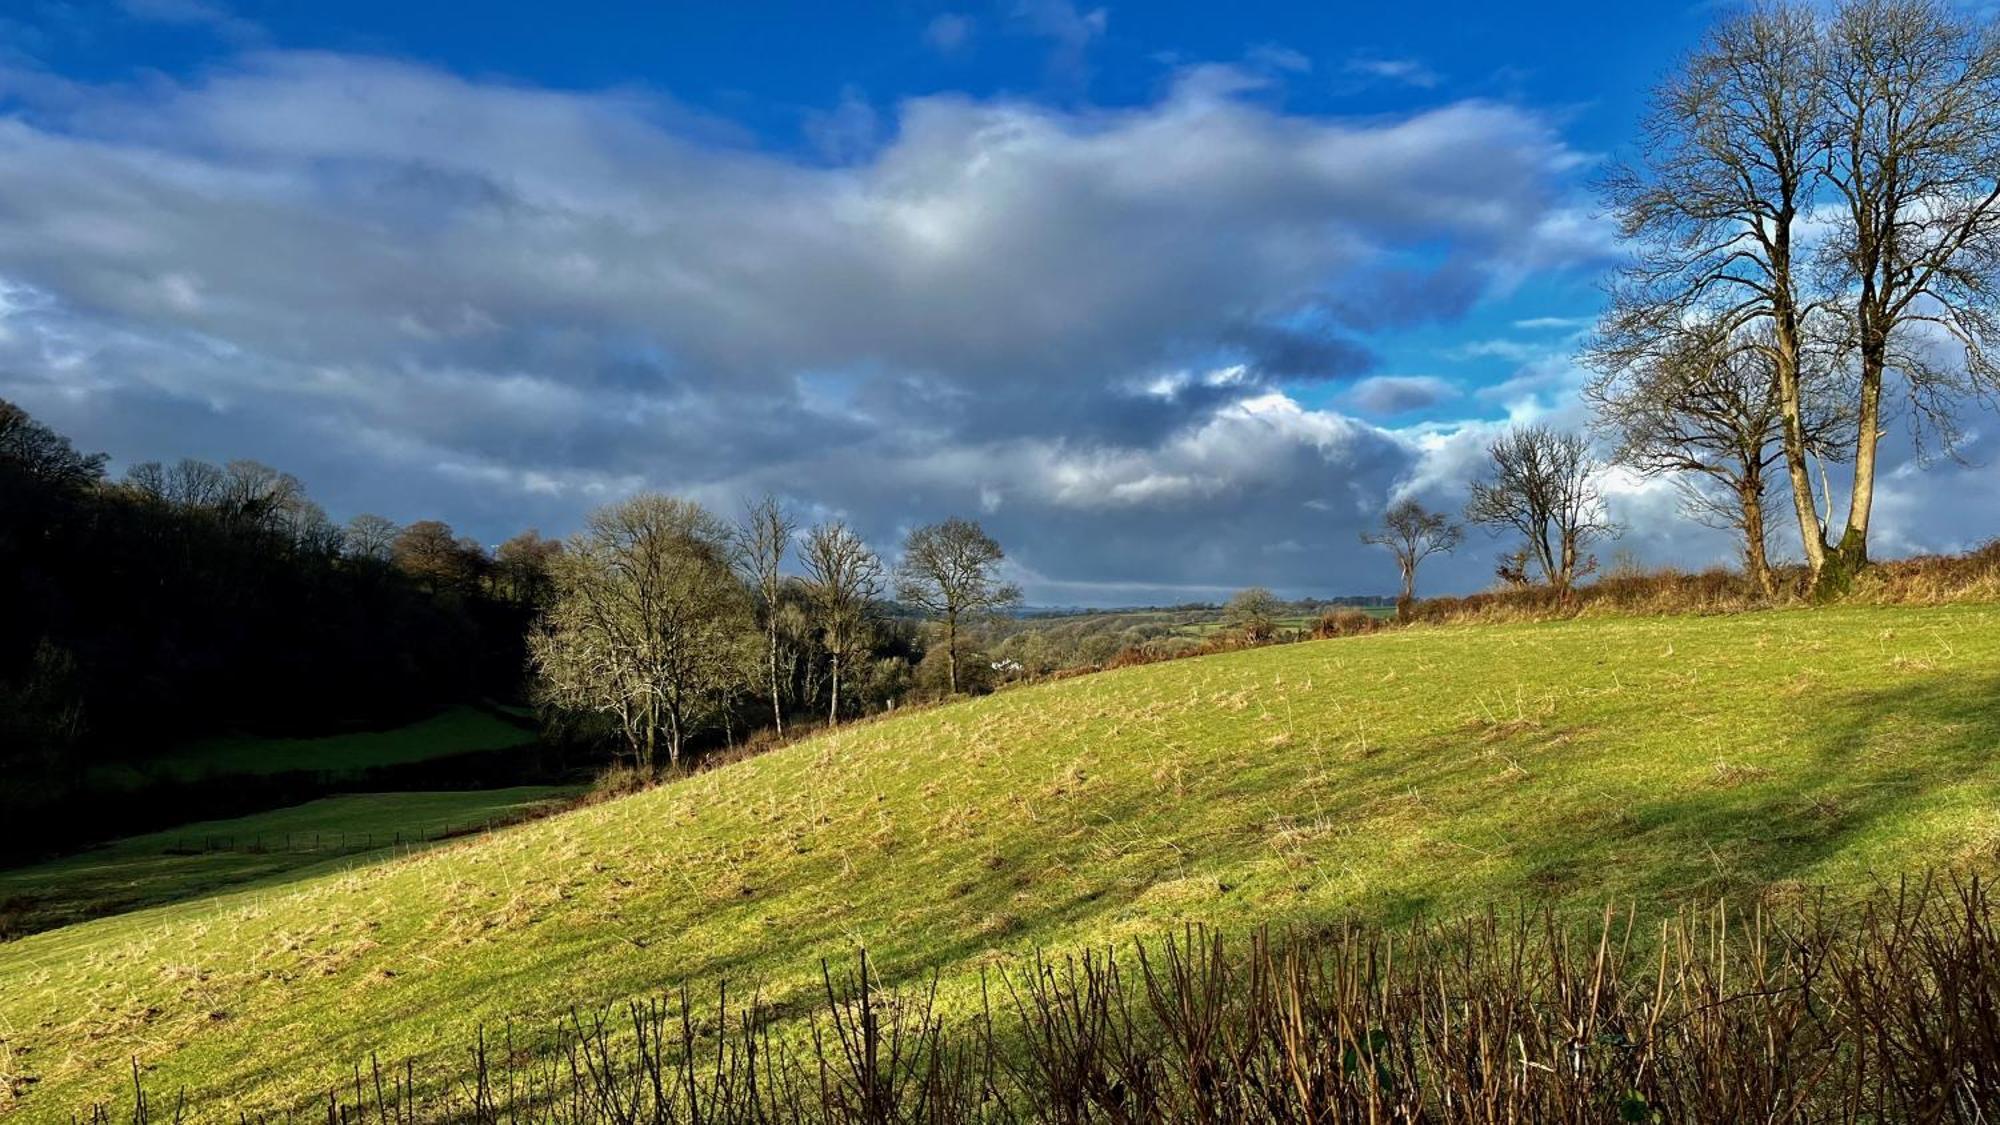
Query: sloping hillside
point(1427, 770)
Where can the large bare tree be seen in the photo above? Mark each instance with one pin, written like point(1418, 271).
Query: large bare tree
point(523, 568)
point(1543, 486)
point(1413, 533)
point(1832, 178)
point(430, 552)
point(845, 580)
point(1707, 408)
point(1732, 156)
point(948, 571)
point(647, 623)
point(1913, 113)
point(762, 540)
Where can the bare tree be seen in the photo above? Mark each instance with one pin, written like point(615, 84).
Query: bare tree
point(845, 581)
point(1708, 409)
point(762, 539)
point(523, 567)
point(187, 483)
point(1413, 533)
point(1913, 110)
point(948, 572)
point(647, 623)
point(1544, 487)
point(368, 536)
point(257, 495)
point(1733, 151)
point(430, 552)
point(1880, 123)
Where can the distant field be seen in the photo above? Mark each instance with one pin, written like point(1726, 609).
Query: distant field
point(458, 730)
point(1054, 641)
point(1636, 762)
point(199, 859)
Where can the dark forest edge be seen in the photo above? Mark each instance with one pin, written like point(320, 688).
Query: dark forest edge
point(1800, 1009)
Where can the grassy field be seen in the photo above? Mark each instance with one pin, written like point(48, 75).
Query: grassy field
point(456, 730)
point(1642, 761)
point(199, 859)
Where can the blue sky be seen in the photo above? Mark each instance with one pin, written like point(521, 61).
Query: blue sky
point(1174, 297)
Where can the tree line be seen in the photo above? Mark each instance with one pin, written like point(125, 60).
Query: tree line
point(183, 599)
point(1814, 219)
point(664, 620)
point(186, 598)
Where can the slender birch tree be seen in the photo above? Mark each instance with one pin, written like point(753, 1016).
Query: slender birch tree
point(845, 580)
point(763, 538)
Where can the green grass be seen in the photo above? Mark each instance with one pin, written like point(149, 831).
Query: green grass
point(1652, 761)
point(197, 860)
point(456, 730)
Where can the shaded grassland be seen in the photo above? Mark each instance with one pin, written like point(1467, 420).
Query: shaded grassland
point(1653, 762)
point(199, 859)
point(457, 730)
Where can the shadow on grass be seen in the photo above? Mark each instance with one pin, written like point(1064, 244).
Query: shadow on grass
point(261, 852)
point(1877, 760)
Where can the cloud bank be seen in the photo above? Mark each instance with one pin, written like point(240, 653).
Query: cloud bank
point(1098, 330)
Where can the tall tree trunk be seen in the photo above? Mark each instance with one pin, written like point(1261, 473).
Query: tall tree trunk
point(951, 650)
point(1811, 534)
point(1750, 491)
point(777, 710)
point(1545, 557)
point(1408, 600)
point(1850, 557)
point(833, 707)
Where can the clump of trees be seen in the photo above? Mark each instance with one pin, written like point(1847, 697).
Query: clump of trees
point(1710, 415)
point(646, 624)
point(191, 597)
point(1817, 211)
point(1814, 219)
point(668, 625)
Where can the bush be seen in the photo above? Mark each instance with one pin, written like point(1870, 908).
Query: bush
point(621, 780)
point(1346, 623)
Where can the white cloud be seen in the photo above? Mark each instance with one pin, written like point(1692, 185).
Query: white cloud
point(1399, 71)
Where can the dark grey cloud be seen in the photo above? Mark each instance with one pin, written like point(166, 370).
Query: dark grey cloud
point(1400, 394)
point(501, 305)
